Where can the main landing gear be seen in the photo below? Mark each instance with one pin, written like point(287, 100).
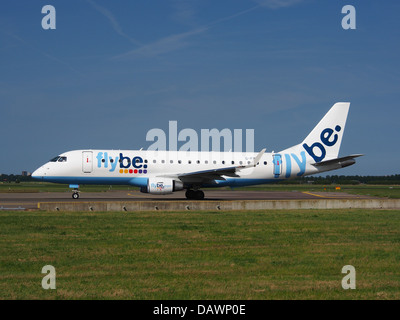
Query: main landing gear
point(194, 194)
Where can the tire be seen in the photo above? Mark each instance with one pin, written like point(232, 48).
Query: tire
point(75, 195)
point(190, 194)
point(199, 195)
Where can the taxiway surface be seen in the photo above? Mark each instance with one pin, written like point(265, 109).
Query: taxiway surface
point(21, 201)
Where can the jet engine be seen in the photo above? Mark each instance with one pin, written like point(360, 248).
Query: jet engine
point(162, 186)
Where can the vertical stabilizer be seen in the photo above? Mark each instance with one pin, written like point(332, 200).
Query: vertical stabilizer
point(323, 142)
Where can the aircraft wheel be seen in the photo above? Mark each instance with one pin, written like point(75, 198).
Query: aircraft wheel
point(190, 194)
point(194, 194)
point(199, 195)
point(75, 195)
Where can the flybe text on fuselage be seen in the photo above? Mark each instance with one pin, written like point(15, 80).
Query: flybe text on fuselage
point(300, 161)
point(122, 162)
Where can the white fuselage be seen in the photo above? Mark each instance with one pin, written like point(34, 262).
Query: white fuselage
point(131, 167)
point(163, 172)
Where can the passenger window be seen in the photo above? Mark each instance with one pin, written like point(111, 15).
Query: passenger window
point(179, 161)
point(154, 161)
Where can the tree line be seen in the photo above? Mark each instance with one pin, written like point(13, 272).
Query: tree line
point(8, 178)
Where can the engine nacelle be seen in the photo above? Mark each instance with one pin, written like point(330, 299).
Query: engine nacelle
point(162, 186)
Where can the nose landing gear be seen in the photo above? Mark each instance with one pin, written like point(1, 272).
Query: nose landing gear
point(75, 191)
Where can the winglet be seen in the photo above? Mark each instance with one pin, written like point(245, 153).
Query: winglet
point(256, 160)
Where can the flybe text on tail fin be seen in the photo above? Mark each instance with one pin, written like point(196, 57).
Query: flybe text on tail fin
point(323, 143)
point(326, 135)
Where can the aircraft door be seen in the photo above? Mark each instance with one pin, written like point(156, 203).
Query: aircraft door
point(87, 161)
point(277, 161)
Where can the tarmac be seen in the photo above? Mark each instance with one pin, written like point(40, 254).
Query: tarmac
point(214, 200)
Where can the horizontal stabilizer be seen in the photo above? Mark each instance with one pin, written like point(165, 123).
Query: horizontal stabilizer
point(340, 162)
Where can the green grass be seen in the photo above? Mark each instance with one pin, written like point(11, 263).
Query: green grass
point(391, 192)
point(383, 191)
point(208, 255)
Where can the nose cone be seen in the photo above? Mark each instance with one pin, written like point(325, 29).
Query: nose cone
point(38, 174)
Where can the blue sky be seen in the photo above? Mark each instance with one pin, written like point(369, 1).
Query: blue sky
point(111, 71)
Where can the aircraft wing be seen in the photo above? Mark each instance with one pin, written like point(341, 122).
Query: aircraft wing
point(339, 162)
point(207, 176)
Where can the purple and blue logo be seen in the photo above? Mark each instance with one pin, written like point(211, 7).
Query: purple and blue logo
point(160, 186)
point(135, 165)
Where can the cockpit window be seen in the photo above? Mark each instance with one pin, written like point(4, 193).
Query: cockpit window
point(62, 159)
point(55, 159)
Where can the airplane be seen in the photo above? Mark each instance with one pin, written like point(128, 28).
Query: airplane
point(164, 172)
